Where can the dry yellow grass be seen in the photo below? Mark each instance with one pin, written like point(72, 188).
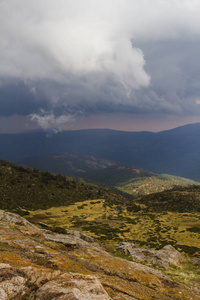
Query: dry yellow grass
point(104, 222)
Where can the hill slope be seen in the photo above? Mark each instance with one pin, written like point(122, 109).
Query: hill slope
point(180, 199)
point(124, 177)
point(24, 188)
point(152, 184)
point(79, 165)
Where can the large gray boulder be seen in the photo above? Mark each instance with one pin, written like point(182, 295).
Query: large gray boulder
point(164, 258)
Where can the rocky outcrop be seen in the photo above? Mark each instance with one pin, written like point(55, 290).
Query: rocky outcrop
point(11, 284)
point(46, 283)
point(164, 258)
point(36, 264)
point(72, 239)
point(73, 286)
point(169, 256)
point(195, 261)
point(31, 283)
point(22, 224)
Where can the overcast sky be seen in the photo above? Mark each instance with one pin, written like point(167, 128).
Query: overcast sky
point(122, 64)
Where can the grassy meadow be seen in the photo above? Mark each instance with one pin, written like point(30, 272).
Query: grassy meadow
point(113, 224)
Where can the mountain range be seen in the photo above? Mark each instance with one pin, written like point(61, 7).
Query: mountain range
point(175, 152)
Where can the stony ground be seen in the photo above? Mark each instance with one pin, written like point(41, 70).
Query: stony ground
point(38, 264)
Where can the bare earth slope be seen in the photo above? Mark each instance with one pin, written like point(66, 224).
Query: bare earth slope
point(37, 264)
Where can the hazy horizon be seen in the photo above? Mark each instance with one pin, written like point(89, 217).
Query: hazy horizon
point(154, 127)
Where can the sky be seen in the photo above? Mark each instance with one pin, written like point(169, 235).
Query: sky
point(73, 64)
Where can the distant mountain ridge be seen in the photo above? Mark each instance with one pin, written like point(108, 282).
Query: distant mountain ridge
point(175, 151)
point(68, 163)
point(86, 166)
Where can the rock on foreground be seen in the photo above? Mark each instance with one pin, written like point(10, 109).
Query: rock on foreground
point(164, 258)
point(37, 264)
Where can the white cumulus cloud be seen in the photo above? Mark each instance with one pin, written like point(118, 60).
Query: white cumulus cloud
point(59, 39)
point(48, 120)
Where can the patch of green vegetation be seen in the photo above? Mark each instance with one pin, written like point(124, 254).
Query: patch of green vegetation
point(190, 250)
point(82, 206)
point(58, 229)
point(102, 231)
point(5, 247)
point(118, 174)
point(194, 229)
point(109, 248)
point(32, 288)
point(182, 200)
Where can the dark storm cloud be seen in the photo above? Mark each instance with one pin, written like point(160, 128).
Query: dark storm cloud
point(174, 68)
point(77, 57)
point(17, 97)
